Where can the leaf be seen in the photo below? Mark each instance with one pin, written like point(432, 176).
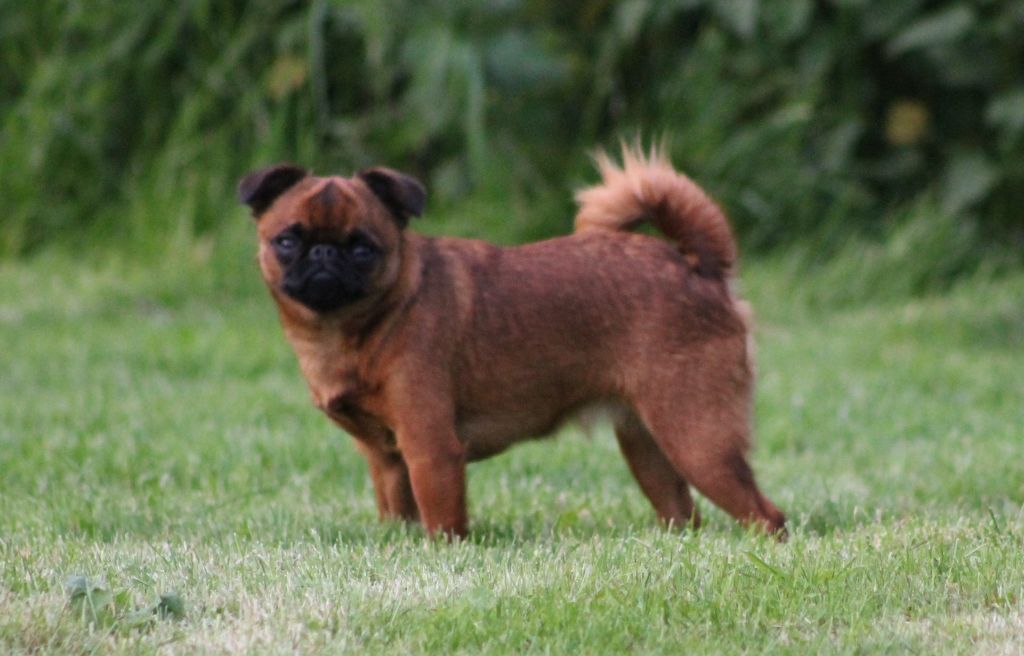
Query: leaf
point(880, 20)
point(1006, 113)
point(629, 19)
point(788, 20)
point(122, 599)
point(938, 28)
point(89, 600)
point(77, 585)
point(966, 63)
point(171, 605)
point(838, 145)
point(519, 62)
point(138, 619)
point(739, 15)
point(969, 177)
point(764, 566)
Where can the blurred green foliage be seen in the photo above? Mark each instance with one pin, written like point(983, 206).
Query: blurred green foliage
point(807, 119)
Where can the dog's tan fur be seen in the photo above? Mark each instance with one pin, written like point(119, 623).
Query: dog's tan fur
point(462, 348)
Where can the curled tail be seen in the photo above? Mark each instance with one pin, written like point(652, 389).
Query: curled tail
point(647, 188)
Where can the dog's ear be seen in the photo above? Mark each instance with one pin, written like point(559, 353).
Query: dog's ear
point(403, 195)
point(261, 188)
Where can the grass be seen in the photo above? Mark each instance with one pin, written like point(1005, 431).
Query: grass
point(156, 437)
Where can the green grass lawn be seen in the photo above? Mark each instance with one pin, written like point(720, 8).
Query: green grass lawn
point(156, 437)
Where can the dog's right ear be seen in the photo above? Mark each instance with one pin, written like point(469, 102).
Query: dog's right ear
point(261, 188)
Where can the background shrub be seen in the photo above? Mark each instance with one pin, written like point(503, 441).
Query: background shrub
point(809, 120)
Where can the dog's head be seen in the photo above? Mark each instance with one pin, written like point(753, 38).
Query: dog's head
point(327, 243)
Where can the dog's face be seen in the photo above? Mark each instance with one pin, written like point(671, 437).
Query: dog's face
point(330, 243)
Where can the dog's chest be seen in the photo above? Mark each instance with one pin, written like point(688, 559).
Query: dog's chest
point(351, 411)
point(354, 405)
point(340, 392)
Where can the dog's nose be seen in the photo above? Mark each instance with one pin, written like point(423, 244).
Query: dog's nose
point(323, 252)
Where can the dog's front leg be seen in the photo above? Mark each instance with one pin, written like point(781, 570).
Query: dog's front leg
point(436, 461)
point(390, 483)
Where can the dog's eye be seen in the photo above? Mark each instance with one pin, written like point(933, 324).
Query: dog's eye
point(286, 242)
point(361, 251)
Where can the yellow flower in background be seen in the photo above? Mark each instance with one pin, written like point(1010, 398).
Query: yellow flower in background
point(906, 122)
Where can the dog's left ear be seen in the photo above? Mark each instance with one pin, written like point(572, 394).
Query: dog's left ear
point(403, 195)
point(261, 188)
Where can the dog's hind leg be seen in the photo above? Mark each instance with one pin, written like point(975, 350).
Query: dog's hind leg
point(698, 415)
point(667, 491)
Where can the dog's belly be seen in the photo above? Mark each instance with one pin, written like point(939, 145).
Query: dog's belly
point(485, 435)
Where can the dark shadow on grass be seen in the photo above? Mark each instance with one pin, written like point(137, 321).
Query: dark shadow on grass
point(484, 534)
point(523, 532)
point(829, 518)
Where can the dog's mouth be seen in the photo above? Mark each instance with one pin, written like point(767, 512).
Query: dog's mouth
point(322, 278)
point(323, 289)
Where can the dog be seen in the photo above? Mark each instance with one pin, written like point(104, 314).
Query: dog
point(436, 352)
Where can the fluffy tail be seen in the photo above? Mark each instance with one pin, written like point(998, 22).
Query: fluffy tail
point(647, 188)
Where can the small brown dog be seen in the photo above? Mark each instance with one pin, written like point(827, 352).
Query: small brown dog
point(435, 352)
